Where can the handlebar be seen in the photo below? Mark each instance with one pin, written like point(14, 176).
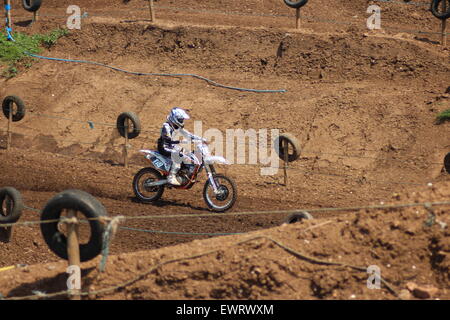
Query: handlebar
point(200, 141)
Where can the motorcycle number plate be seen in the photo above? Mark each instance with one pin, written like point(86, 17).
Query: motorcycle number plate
point(158, 163)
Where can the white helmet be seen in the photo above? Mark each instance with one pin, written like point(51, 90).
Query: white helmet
point(177, 117)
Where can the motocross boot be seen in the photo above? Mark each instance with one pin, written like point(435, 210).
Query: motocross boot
point(172, 177)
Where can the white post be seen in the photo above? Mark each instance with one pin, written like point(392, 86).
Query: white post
point(73, 246)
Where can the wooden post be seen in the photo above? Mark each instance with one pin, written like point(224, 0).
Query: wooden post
point(286, 158)
point(152, 10)
point(5, 234)
point(444, 33)
point(8, 14)
point(297, 18)
point(444, 25)
point(11, 109)
point(35, 16)
point(127, 125)
point(73, 247)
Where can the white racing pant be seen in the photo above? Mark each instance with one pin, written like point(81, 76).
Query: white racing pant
point(177, 157)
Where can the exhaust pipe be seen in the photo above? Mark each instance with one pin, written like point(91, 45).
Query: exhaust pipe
point(156, 183)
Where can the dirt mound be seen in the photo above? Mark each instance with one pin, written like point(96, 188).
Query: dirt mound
point(277, 53)
point(320, 15)
point(361, 80)
point(288, 262)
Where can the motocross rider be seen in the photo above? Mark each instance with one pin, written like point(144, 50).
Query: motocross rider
point(168, 147)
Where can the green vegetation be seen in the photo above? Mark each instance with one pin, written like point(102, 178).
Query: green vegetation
point(12, 52)
point(50, 39)
point(443, 116)
point(10, 72)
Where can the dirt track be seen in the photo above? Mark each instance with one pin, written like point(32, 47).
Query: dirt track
point(316, 259)
point(362, 104)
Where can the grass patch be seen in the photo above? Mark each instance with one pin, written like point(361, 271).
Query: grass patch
point(10, 72)
point(48, 40)
point(12, 52)
point(443, 116)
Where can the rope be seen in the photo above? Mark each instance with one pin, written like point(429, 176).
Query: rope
point(89, 122)
point(317, 261)
point(159, 265)
point(330, 209)
point(65, 140)
point(209, 81)
point(180, 216)
point(31, 209)
point(182, 233)
point(29, 223)
point(108, 235)
point(419, 4)
point(306, 172)
point(250, 144)
point(318, 153)
point(119, 286)
point(7, 268)
point(301, 170)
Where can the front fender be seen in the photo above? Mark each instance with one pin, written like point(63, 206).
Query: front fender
point(150, 153)
point(146, 151)
point(216, 159)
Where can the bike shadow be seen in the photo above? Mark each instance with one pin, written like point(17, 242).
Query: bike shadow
point(426, 40)
point(169, 203)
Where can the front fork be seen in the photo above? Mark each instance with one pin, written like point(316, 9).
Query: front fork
point(210, 171)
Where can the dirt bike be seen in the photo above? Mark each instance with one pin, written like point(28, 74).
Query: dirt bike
point(219, 191)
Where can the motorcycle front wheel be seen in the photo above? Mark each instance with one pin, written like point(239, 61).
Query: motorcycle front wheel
point(141, 189)
point(226, 196)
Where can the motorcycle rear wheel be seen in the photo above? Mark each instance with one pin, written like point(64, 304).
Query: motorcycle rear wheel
point(227, 196)
point(144, 193)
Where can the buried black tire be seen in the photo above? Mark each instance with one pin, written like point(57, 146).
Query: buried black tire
point(31, 5)
point(11, 205)
point(435, 9)
point(134, 124)
point(295, 4)
point(447, 162)
point(84, 203)
point(225, 186)
point(144, 193)
point(298, 216)
point(8, 105)
point(293, 144)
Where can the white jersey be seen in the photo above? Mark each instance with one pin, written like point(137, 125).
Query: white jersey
point(167, 143)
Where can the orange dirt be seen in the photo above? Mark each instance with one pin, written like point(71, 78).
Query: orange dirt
point(286, 262)
point(362, 104)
